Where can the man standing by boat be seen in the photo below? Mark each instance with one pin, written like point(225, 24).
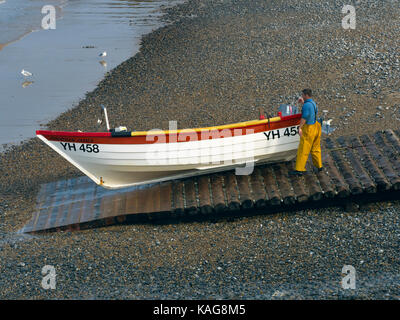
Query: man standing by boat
point(310, 135)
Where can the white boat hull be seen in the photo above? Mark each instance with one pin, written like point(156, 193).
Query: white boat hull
point(122, 165)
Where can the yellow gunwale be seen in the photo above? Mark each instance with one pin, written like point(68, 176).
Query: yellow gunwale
point(221, 127)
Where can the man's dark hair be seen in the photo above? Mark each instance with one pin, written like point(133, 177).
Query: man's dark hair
point(307, 92)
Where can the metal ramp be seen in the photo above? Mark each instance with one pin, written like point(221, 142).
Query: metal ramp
point(357, 169)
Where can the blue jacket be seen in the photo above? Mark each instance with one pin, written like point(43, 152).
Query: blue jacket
point(309, 111)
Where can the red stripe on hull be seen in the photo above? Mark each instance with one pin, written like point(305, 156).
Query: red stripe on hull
point(190, 135)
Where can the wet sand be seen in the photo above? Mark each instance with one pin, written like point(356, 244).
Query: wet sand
point(217, 62)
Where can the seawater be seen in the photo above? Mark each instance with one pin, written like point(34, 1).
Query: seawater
point(65, 61)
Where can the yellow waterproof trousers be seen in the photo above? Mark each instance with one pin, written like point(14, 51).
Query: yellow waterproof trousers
point(310, 141)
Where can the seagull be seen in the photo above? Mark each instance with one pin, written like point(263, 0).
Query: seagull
point(103, 54)
point(99, 121)
point(327, 122)
point(26, 73)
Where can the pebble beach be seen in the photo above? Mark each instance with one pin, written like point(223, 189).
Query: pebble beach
point(218, 62)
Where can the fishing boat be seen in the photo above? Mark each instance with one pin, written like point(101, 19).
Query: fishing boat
point(121, 158)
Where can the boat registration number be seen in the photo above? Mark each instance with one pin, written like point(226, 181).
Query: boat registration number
point(279, 133)
point(83, 147)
